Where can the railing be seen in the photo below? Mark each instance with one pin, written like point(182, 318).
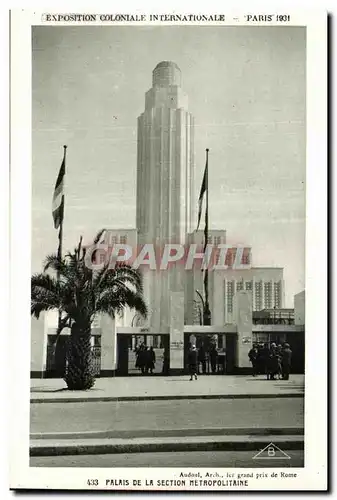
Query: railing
point(273, 321)
point(96, 359)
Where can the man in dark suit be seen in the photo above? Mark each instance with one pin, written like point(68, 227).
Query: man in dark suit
point(286, 361)
point(193, 362)
point(202, 358)
point(253, 354)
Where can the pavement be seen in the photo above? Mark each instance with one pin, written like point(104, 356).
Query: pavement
point(149, 417)
point(168, 388)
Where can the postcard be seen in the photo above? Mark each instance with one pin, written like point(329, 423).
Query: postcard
point(168, 175)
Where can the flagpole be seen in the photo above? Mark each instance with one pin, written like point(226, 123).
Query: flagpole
point(59, 252)
point(207, 312)
point(60, 246)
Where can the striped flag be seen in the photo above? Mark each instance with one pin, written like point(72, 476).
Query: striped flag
point(58, 198)
point(202, 192)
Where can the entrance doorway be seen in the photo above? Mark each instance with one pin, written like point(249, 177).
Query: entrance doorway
point(216, 352)
point(294, 339)
point(143, 354)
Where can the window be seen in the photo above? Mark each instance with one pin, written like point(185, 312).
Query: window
point(258, 296)
point(197, 313)
point(249, 285)
point(156, 341)
point(277, 294)
point(216, 255)
point(225, 299)
point(230, 293)
point(96, 340)
point(246, 256)
point(230, 256)
point(217, 240)
point(239, 286)
point(268, 295)
point(261, 337)
point(123, 240)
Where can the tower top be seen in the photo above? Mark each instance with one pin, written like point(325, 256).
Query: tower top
point(166, 73)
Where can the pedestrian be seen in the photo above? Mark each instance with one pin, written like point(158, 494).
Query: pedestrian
point(259, 360)
point(166, 361)
point(193, 362)
point(286, 361)
point(279, 350)
point(151, 360)
point(145, 360)
point(222, 360)
point(273, 363)
point(213, 356)
point(202, 358)
point(253, 355)
point(139, 356)
point(265, 354)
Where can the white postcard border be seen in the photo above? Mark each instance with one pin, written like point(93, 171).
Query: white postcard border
point(313, 475)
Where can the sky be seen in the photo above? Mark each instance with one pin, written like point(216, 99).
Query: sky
point(247, 92)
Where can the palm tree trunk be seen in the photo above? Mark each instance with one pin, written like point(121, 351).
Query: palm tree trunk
point(80, 373)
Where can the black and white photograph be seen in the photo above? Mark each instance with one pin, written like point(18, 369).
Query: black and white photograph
point(168, 243)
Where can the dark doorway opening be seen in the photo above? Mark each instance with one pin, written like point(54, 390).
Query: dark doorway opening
point(143, 354)
point(294, 339)
point(216, 352)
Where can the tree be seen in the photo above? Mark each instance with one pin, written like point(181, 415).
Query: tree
point(80, 293)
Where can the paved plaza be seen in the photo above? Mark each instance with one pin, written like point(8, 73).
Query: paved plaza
point(154, 387)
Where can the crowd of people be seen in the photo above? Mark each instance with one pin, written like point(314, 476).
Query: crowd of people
point(274, 361)
point(146, 360)
point(271, 360)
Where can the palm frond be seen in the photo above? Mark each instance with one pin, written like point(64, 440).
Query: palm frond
point(44, 294)
point(81, 292)
point(98, 236)
point(125, 274)
point(42, 283)
point(53, 262)
point(116, 300)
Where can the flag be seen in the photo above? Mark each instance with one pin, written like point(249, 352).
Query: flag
point(202, 192)
point(205, 246)
point(58, 198)
point(206, 227)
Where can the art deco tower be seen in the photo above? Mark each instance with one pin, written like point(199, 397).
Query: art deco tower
point(165, 176)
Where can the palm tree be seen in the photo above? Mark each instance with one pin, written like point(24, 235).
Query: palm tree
point(80, 293)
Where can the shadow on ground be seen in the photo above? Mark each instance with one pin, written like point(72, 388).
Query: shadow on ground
point(63, 389)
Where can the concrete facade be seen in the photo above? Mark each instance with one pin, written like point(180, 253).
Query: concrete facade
point(38, 347)
point(266, 285)
point(165, 168)
point(108, 331)
point(243, 314)
point(299, 304)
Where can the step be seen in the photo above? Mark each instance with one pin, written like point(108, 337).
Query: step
point(45, 447)
point(168, 397)
point(184, 432)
